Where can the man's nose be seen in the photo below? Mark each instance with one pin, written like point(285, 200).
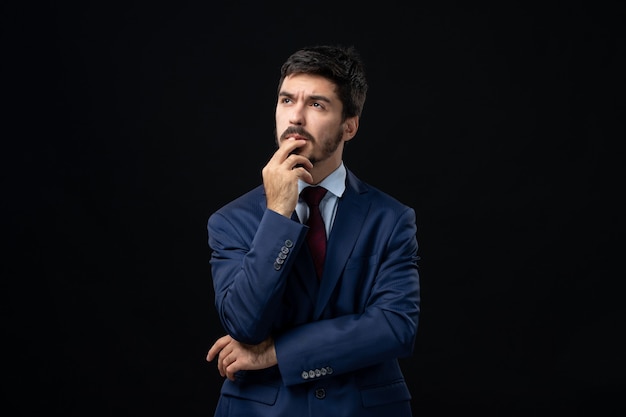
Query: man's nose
point(297, 115)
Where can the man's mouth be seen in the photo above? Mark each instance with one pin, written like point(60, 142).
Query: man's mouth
point(296, 133)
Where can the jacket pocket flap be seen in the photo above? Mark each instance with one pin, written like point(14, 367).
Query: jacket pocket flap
point(265, 394)
point(385, 394)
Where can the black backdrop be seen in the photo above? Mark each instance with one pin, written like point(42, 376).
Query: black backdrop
point(126, 126)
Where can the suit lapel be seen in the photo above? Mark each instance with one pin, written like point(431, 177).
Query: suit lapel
point(305, 269)
point(351, 211)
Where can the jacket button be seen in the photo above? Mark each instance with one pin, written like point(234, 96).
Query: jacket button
point(320, 393)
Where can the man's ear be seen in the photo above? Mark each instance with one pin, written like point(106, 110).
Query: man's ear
point(351, 125)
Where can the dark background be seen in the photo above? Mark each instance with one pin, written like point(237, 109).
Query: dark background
point(127, 126)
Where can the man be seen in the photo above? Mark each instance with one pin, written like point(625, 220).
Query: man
point(301, 342)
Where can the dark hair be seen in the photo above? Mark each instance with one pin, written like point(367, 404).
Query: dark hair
point(341, 65)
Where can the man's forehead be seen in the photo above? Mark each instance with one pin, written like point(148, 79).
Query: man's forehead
point(308, 84)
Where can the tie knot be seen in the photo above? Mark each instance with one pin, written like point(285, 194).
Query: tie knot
point(313, 195)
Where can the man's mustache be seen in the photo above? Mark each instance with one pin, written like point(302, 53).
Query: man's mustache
point(298, 131)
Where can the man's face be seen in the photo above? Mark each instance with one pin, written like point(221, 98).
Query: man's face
point(308, 108)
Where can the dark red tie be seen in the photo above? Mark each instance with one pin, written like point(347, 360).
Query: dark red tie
point(316, 237)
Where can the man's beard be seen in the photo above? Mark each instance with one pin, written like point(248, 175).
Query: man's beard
point(328, 149)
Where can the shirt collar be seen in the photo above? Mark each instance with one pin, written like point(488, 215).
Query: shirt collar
point(335, 182)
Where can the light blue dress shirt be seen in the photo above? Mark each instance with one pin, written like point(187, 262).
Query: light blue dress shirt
point(335, 183)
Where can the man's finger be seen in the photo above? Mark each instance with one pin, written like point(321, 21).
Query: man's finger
point(218, 346)
point(288, 146)
point(298, 161)
point(231, 369)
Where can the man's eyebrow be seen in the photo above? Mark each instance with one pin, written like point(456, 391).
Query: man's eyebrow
point(315, 97)
point(319, 98)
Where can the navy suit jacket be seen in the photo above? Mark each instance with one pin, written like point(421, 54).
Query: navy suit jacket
point(337, 340)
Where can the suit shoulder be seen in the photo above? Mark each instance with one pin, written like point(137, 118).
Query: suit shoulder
point(374, 194)
point(251, 202)
point(381, 198)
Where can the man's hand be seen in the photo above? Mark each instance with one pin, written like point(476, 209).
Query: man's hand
point(234, 356)
point(280, 176)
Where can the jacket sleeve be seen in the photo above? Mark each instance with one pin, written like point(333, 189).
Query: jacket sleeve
point(249, 265)
point(386, 329)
